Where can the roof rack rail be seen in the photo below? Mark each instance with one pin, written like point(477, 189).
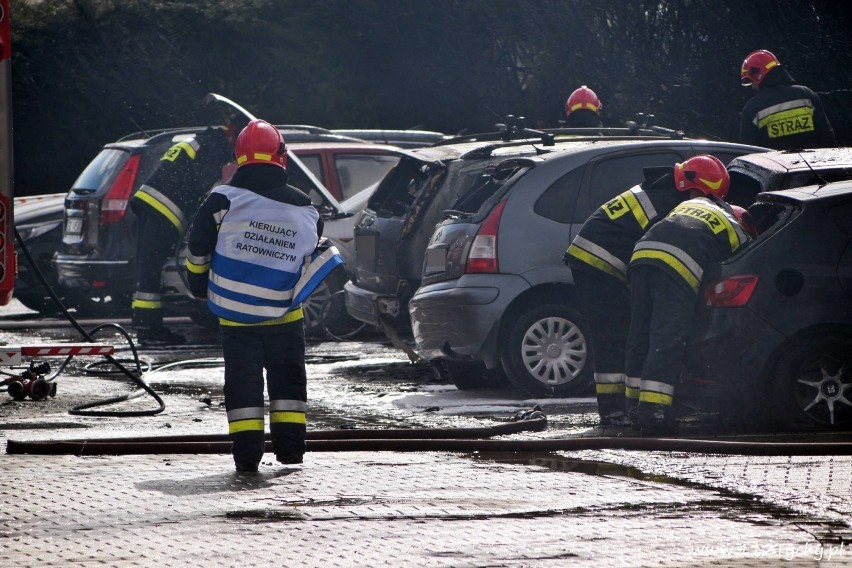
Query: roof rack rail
point(151, 132)
point(513, 131)
point(485, 151)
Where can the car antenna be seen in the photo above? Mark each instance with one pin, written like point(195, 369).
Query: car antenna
point(823, 181)
point(142, 130)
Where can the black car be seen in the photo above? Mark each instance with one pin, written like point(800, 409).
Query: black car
point(95, 263)
point(784, 169)
point(774, 335)
point(38, 222)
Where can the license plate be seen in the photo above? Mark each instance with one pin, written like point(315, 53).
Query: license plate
point(436, 260)
point(74, 226)
point(365, 245)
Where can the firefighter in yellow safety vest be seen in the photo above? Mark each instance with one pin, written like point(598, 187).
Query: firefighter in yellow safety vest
point(598, 258)
point(665, 274)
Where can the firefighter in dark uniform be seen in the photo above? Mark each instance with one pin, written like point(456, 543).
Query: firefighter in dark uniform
point(253, 256)
point(598, 257)
point(664, 275)
point(163, 204)
point(782, 115)
point(583, 109)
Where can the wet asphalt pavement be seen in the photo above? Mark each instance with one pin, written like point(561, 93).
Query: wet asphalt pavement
point(401, 508)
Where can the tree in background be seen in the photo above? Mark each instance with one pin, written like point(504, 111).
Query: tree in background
point(90, 71)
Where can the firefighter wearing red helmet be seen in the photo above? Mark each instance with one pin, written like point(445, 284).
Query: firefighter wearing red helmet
point(253, 254)
point(598, 257)
point(164, 204)
point(664, 275)
point(782, 114)
point(583, 109)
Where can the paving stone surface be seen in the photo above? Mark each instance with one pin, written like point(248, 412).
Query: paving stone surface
point(442, 509)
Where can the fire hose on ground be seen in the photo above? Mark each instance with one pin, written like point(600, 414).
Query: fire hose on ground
point(391, 440)
point(463, 440)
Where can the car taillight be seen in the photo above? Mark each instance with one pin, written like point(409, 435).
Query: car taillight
point(114, 204)
point(482, 257)
point(730, 292)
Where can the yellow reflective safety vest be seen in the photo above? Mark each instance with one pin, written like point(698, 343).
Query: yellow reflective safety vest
point(696, 233)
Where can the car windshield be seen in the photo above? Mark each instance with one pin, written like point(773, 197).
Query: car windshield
point(357, 171)
point(101, 171)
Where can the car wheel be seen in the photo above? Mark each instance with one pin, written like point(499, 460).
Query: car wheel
point(469, 375)
point(337, 322)
point(32, 293)
point(812, 386)
point(315, 305)
point(545, 351)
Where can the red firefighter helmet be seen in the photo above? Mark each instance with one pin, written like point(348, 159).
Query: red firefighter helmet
point(704, 173)
point(746, 220)
point(260, 143)
point(583, 98)
point(756, 65)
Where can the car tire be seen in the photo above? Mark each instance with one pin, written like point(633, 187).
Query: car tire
point(314, 307)
point(812, 384)
point(33, 295)
point(469, 375)
point(545, 352)
point(337, 323)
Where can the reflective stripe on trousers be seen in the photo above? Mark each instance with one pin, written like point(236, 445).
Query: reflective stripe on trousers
point(245, 419)
point(656, 392)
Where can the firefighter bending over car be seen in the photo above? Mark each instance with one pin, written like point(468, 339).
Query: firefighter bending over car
point(664, 276)
point(164, 204)
point(781, 115)
point(598, 257)
point(253, 255)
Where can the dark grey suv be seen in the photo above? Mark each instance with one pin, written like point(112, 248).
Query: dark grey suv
point(495, 293)
point(96, 260)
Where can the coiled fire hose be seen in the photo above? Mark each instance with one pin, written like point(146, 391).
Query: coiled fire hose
point(82, 410)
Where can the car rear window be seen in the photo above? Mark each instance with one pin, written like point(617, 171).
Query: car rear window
point(771, 215)
point(403, 184)
point(101, 171)
point(488, 185)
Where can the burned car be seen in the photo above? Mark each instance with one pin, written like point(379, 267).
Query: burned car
point(783, 169)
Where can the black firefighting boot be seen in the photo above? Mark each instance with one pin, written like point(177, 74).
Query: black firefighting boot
point(655, 420)
point(159, 337)
point(631, 400)
point(611, 410)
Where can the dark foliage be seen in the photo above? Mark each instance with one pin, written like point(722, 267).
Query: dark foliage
point(86, 72)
